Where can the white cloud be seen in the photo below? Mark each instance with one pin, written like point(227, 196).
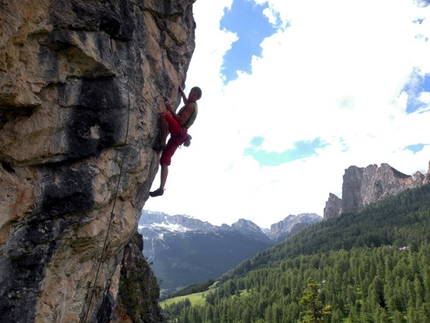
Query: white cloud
point(335, 74)
point(425, 97)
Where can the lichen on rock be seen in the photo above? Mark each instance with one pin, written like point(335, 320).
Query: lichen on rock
point(138, 288)
point(81, 85)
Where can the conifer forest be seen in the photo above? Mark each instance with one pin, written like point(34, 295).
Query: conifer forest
point(371, 266)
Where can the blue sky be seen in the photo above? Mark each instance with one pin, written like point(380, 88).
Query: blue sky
point(301, 149)
point(419, 84)
point(294, 93)
point(416, 148)
point(246, 19)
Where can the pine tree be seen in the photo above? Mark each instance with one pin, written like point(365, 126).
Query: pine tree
point(316, 312)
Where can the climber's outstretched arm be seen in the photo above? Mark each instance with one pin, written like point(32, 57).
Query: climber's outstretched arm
point(183, 95)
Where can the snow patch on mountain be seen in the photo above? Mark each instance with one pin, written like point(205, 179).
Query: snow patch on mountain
point(166, 226)
point(153, 223)
point(185, 250)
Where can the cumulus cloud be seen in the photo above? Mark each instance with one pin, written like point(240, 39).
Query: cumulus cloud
point(339, 74)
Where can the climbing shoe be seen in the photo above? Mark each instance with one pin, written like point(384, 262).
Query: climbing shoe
point(157, 192)
point(159, 147)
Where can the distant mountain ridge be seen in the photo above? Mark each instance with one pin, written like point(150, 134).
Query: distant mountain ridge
point(291, 224)
point(186, 251)
point(155, 225)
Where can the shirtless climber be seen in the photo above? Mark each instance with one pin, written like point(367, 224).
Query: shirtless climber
point(177, 125)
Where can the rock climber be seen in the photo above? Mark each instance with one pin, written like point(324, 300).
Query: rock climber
point(177, 125)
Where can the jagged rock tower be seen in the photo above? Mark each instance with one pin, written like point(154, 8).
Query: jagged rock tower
point(363, 186)
point(81, 85)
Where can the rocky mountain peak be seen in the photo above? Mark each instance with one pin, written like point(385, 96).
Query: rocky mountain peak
point(177, 222)
point(290, 224)
point(243, 224)
point(249, 228)
point(362, 186)
point(333, 206)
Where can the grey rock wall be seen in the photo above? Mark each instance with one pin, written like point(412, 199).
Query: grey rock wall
point(333, 206)
point(81, 85)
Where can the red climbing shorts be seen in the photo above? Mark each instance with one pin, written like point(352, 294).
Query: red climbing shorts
point(177, 138)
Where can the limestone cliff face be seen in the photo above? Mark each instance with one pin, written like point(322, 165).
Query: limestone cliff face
point(81, 85)
point(333, 206)
point(362, 186)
